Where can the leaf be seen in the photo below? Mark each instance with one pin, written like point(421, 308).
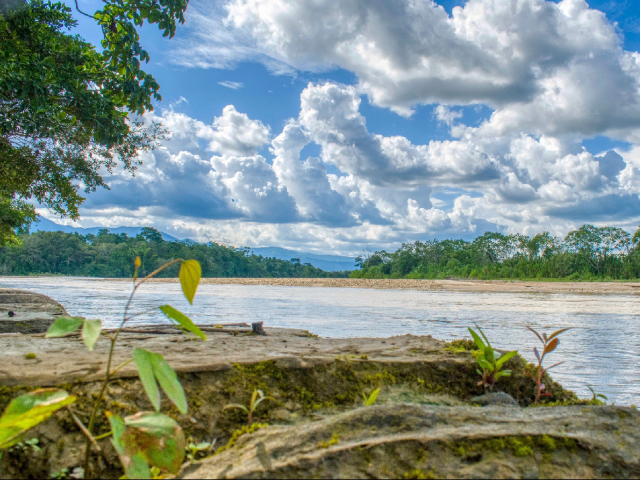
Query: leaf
point(182, 320)
point(372, 398)
point(535, 352)
point(555, 334)
point(486, 366)
point(29, 410)
point(551, 346)
point(506, 357)
point(235, 405)
point(169, 382)
point(91, 332)
point(477, 339)
point(190, 273)
point(537, 334)
point(147, 377)
point(148, 439)
point(64, 325)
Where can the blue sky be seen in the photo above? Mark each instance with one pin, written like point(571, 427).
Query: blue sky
point(371, 124)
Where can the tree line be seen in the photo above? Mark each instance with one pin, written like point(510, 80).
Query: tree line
point(589, 253)
point(112, 255)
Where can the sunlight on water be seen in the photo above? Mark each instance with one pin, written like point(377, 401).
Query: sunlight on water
point(602, 350)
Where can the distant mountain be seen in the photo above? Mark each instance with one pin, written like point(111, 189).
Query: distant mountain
point(44, 225)
point(328, 263)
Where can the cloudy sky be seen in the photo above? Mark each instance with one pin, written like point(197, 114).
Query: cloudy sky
point(328, 126)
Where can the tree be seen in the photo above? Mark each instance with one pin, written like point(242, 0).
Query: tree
point(68, 111)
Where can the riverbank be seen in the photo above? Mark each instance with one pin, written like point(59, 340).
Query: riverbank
point(497, 286)
point(423, 424)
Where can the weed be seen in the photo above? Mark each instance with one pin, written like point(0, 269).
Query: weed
point(549, 344)
point(489, 361)
point(30, 356)
point(370, 400)
point(256, 398)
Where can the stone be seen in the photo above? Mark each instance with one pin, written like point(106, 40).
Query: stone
point(495, 398)
point(419, 441)
point(22, 311)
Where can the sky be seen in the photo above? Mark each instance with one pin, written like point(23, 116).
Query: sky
point(333, 126)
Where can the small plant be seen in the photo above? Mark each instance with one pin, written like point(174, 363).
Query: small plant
point(489, 361)
point(256, 399)
point(370, 400)
point(194, 449)
point(596, 396)
point(30, 356)
point(147, 443)
point(549, 344)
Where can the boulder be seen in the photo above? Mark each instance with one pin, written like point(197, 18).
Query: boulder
point(22, 311)
point(424, 441)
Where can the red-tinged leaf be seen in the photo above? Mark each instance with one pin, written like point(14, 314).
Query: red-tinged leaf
point(554, 365)
point(551, 346)
point(555, 334)
point(535, 352)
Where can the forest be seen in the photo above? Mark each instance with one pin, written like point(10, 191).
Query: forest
point(112, 255)
point(589, 253)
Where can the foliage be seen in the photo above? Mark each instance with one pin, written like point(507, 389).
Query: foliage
point(195, 451)
point(256, 399)
point(64, 107)
point(596, 396)
point(29, 410)
point(371, 399)
point(146, 441)
point(588, 253)
point(549, 344)
point(111, 255)
point(489, 361)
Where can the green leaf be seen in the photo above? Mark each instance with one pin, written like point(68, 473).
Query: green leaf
point(505, 358)
point(91, 332)
point(190, 273)
point(555, 334)
point(29, 410)
point(169, 382)
point(64, 325)
point(372, 398)
point(182, 320)
point(147, 377)
point(479, 343)
point(486, 366)
point(235, 405)
point(155, 438)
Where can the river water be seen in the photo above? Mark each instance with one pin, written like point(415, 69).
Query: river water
point(601, 350)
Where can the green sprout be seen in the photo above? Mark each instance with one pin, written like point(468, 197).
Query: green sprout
point(489, 361)
point(256, 398)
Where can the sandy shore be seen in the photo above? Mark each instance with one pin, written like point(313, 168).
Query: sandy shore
point(499, 286)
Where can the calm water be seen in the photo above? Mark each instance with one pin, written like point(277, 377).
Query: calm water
point(602, 349)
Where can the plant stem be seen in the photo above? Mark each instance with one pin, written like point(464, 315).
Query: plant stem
point(108, 374)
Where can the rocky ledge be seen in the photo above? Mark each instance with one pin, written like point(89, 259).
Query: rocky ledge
point(427, 421)
point(22, 311)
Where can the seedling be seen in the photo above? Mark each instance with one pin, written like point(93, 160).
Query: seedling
point(596, 396)
point(370, 400)
point(489, 361)
point(549, 344)
point(256, 398)
point(194, 449)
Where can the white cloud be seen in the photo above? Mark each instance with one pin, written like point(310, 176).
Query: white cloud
point(231, 85)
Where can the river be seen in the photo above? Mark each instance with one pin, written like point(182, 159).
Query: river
point(602, 349)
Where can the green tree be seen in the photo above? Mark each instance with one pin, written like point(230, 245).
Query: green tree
point(68, 111)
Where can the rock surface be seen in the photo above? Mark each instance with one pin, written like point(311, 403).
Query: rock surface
point(22, 311)
point(495, 398)
point(417, 441)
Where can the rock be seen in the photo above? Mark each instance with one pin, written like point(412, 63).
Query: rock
point(22, 311)
point(495, 398)
point(419, 441)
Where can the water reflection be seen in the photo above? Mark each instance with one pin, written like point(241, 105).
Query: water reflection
point(602, 349)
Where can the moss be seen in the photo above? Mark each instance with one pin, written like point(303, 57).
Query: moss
point(418, 474)
point(622, 415)
point(547, 443)
point(30, 356)
point(461, 346)
point(518, 446)
point(238, 433)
